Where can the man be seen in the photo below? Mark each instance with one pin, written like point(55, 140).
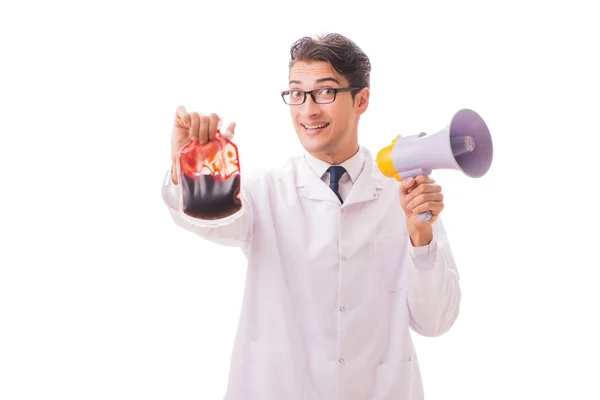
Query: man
point(339, 265)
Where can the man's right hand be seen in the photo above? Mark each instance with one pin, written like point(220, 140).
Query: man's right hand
point(193, 126)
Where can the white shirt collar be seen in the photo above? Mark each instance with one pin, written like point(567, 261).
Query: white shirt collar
point(353, 165)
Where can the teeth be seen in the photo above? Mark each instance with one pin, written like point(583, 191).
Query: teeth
point(315, 127)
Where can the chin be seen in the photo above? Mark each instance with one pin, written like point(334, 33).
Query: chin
point(316, 147)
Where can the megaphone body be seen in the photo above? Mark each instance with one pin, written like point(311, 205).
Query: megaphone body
point(464, 145)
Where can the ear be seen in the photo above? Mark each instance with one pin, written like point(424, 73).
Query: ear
point(361, 101)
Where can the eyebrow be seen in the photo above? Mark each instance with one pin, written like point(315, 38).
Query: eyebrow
point(320, 80)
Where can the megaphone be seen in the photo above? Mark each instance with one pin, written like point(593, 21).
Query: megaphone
point(465, 145)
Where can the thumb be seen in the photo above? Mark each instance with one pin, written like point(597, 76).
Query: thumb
point(230, 131)
point(405, 186)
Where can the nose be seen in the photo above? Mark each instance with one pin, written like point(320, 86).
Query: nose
point(310, 108)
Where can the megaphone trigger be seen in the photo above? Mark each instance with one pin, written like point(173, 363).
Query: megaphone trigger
point(464, 145)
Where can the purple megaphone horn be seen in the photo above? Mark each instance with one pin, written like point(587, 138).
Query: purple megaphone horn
point(464, 145)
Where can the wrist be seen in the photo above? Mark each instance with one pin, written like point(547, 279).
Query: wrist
point(421, 237)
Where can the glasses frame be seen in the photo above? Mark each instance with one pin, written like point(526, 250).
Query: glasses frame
point(312, 94)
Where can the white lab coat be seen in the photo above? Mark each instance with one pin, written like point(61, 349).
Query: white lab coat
point(331, 290)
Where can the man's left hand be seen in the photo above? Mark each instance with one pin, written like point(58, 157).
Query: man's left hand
point(418, 195)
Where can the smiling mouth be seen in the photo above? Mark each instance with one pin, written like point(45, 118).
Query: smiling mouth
point(315, 127)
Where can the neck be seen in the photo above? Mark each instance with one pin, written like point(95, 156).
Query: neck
point(338, 157)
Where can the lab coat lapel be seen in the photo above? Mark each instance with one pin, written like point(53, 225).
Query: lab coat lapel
point(310, 186)
point(365, 188)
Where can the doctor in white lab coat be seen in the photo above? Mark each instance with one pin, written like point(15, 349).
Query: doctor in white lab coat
point(339, 271)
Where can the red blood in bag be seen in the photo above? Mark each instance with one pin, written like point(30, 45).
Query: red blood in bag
point(210, 177)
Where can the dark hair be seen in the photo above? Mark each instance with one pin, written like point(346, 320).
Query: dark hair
point(342, 53)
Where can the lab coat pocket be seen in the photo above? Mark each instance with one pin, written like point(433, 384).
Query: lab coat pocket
point(274, 374)
point(394, 381)
point(390, 261)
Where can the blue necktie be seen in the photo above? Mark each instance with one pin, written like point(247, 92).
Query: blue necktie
point(335, 173)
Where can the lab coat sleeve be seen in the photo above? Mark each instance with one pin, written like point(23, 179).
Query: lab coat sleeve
point(234, 230)
point(433, 293)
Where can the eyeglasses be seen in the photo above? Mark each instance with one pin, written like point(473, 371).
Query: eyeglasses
point(319, 96)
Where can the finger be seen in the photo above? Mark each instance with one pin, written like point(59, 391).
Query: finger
point(421, 189)
point(182, 118)
point(435, 207)
point(230, 132)
point(194, 125)
point(424, 179)
point(213, 125)
point(427, 188)
point(203, 129)
point(406, 185)
point(423, 199)
point(420, 180)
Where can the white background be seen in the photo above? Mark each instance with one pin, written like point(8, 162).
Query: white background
point(103, 297)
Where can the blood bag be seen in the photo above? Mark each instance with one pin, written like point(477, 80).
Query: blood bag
point(210, 178)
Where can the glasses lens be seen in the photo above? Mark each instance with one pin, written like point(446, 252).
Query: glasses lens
point(325, 95)
point(294, 97)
